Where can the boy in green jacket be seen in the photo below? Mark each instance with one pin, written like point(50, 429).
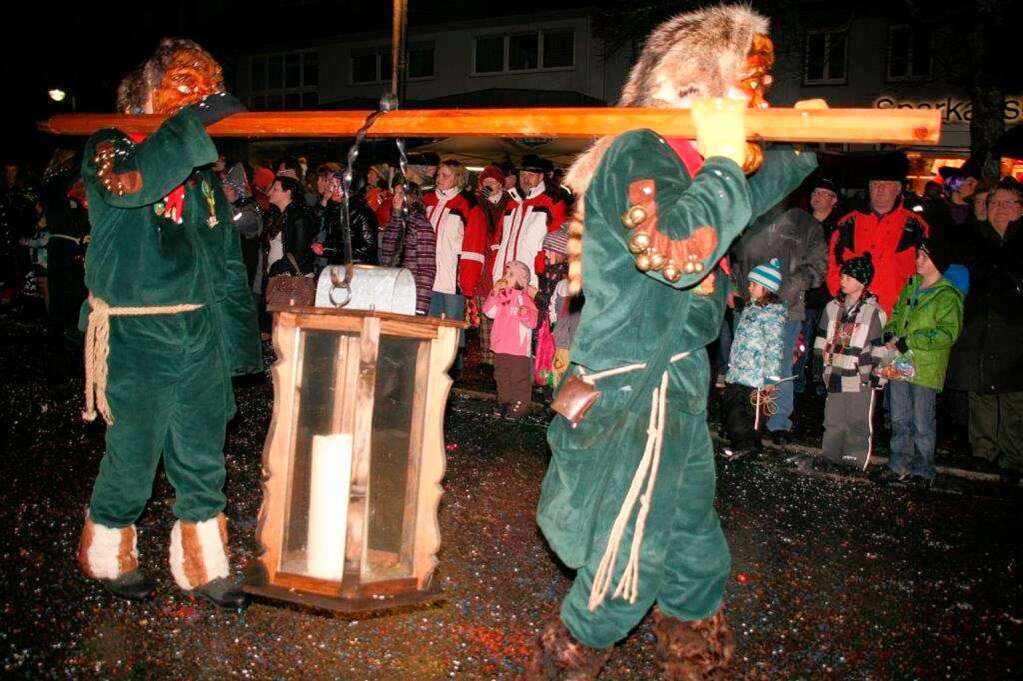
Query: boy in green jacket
point(926, 321)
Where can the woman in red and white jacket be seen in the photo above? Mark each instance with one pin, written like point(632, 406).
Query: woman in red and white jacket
point(461, 230)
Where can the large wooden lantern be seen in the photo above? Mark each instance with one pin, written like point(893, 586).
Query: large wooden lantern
point(354, 459)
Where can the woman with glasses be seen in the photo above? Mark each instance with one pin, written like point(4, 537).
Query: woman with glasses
point(987, 360)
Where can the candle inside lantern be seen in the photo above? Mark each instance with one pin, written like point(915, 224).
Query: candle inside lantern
point(328, 505)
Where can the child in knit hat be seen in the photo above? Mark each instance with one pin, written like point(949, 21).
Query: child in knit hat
point(510, 304)
point(925, 324)
point(562, 308)
point(848, 344)
point(755, 362)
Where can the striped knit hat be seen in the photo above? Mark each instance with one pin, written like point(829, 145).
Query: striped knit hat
point(556, 241)
point(768, 276)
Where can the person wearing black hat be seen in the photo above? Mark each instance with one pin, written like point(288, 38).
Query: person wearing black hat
point(958, 188)
point(824, 205)
point(887, 229)
point(847, 343)
point(534, 210)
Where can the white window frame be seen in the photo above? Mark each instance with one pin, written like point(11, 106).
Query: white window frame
point(827, 40)
point(913, 32)
point(301, 89)
point(385, 49)
point(506, 45)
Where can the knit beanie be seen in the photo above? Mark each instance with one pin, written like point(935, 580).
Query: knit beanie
point(519, 273)
point(768, 276)
point(939, 253)
point(492, 172)
point(263, 178)
point(861, 268)
point(235, 177)
point(556, 241)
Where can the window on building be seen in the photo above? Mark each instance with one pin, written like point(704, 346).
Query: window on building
point(311, 69)
point(524, 51)
point(283, 80)
point(364, 66)
point(420, 61)
point(373, 64)
point(825, 57)
point(558, 49)
point(258, 82)
point(489, 54)
point(275, 74)
point(909, 52)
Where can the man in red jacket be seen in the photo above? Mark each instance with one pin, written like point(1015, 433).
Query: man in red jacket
point(890, 232)
point(534, 210)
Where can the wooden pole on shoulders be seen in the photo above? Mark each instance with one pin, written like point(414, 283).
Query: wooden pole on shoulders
point(856, 126)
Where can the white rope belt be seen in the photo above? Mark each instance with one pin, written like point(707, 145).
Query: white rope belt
point(97, 349)
point(641, 489)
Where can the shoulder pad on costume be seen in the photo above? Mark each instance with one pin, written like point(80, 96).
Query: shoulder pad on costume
point(110, 149)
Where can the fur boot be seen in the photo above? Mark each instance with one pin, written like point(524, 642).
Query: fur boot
point(107, 553)
point(562, 658)
point(693, 651)
point(198, 552)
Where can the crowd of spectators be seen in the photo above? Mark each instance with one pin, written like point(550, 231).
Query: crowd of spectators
point(929, 285)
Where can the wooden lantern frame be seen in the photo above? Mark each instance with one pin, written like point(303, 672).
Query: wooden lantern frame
point(420, 529)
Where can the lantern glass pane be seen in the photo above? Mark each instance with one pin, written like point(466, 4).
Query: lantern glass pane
point(394, 469)
point(320, 464)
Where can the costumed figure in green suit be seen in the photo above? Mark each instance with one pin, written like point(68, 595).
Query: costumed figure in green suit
point(628, 499)
point(169, 321)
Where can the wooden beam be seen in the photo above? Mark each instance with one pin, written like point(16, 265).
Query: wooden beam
point(874, 126)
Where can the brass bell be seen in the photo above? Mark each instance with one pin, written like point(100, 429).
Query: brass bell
point(657, 260)
point(690, 268)
point(633, 217)
point(642, 262)
point(699, 266)
point(639, 242)
point(671, 272)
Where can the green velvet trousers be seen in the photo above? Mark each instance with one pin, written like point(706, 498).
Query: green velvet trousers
point(170, 395)
point(684, 558)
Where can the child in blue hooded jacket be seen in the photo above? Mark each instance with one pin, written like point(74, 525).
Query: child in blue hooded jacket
point(755, 363)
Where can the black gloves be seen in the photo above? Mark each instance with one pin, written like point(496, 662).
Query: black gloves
point(216, 107)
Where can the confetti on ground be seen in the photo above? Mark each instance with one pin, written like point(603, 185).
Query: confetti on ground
point(832, 578)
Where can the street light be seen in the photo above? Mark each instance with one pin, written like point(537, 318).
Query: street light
point(58, 95)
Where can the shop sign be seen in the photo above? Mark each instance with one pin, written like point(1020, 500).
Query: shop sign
point(952, 110)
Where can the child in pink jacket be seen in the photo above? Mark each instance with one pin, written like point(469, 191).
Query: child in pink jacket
point(510, 304)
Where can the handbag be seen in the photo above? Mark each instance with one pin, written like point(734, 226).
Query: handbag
point(575, 399)
point(285, 290)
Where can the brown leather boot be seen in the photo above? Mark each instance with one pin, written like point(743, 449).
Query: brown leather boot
point(561, 658)
point(693, 651)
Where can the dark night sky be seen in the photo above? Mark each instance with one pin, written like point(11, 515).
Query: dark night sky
point(85, 48)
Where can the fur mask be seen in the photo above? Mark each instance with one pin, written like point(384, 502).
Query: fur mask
point(189, 75)
point(705, 53)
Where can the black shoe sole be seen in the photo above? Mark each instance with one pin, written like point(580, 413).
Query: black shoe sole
point(220, 604)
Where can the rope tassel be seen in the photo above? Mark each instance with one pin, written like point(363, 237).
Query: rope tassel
point(646, 472)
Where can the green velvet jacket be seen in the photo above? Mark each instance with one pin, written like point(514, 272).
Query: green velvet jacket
point(639, 317)
point(138, 257)
point(629, 314)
